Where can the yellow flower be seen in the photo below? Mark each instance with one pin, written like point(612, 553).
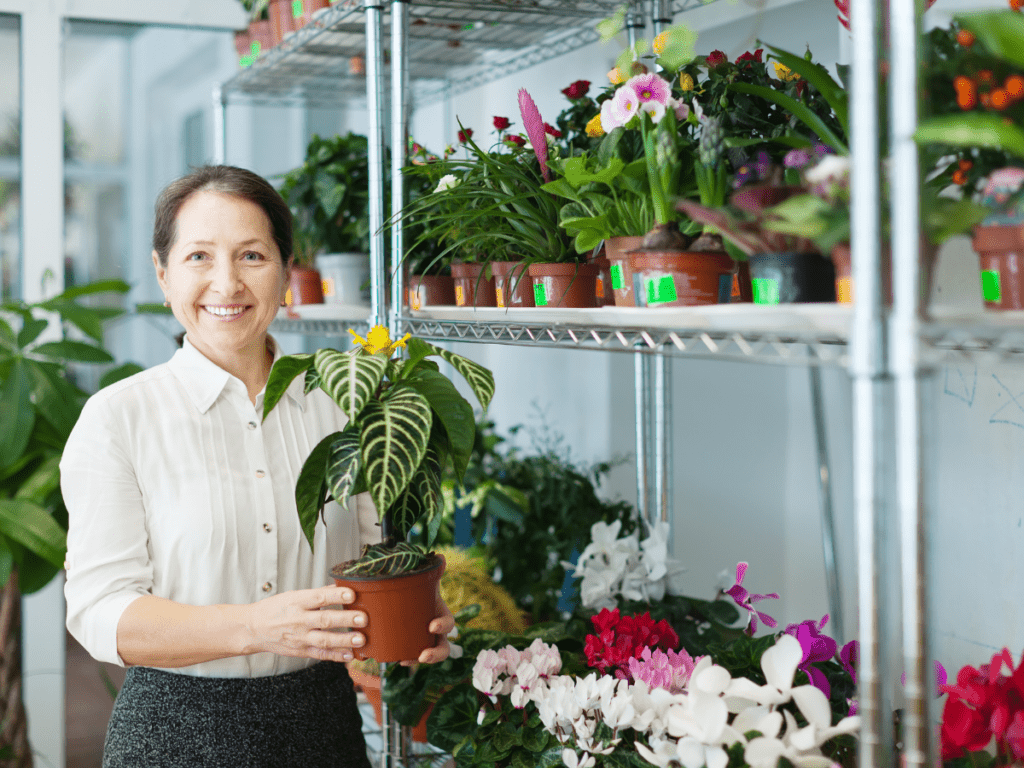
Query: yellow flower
point(686, 82)
point(659, 42)
point(379, 340)
point(616, 77)
point(784, 73)
point(594, 128)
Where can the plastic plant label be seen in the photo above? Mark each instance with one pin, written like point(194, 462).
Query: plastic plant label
point(599, 288)
point(327, 285)
point(618, 279)
point(844, 290)
point(766, 290)
point(288, 297)
point(416, 301)
point(297, 9)
point(990, 285)
point(540, 295)
point(499, 295)
point(660, 289)
point(460, 296)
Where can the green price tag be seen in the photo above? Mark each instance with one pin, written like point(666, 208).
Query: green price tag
point(990, 285)
point(766, 290)
point(618, 279)
point(255, 48)
point(297, 9)
point(660, 290)
point(540, 296)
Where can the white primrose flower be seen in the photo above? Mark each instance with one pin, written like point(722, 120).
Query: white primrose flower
point(831, 168)
point(448, 181)
point(655, 109)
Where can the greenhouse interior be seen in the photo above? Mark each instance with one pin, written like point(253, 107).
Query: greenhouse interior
point(633, 344)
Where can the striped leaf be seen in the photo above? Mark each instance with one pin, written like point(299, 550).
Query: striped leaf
point(394, 432)
point(480, 380)
point(421, 500)
point(281, 375)
point(343, 464)
point(312, 380)
point(350, 378)
point(311, 487)
point(384, 560)
point(454, 413)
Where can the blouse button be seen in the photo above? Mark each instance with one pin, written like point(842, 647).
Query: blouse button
point(260, 473)
point(252, 425)
point(267, 528)
point(267, 587)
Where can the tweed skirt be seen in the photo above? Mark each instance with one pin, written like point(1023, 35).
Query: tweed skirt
point(168, 720)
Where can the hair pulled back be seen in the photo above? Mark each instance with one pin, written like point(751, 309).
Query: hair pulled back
point(225, 180)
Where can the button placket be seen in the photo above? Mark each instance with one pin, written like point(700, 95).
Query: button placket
point(264, 509)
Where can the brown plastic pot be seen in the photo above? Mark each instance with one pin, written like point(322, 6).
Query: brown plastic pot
point(305, 287)
point(564, 285)
point(306, 11)
point(370, 685)
point(512, 284)
point(603, 286)
point(399, 610)
point(262, 35)
point(281, 19)
point(474, 286)
point(620, 270)
point(681, 278)
point(843, 263)
point(242, 42)
point(1000, 252)
point(431, 290)
point(742, 291)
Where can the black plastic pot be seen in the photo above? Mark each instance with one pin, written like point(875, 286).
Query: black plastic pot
point(792, 278)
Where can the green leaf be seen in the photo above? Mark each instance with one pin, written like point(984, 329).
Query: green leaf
point(801, 111)
point(679, 48)
point(421, 500)
point(30, 331)
point(6, 561)
point(972, 129)
point(119, 373)
point(152, 309)
point(343, 464)
point(41, 483)
point(86, 319)
point(16, 414)
point(480, 380)
point(7, 337)
point(610, 27)
point(58, 402)
point(76, 351)
point(311, 487)
point(34, 572)
point(100, 286)
point(1000, 32)
point(577, 174)
point(454, 413)
point(350, 378)
point(281, 376)
point(562, 188)
point(394, 432)
point(33, 527)
point(312, 380)
point(387, 560)
point(818, 76)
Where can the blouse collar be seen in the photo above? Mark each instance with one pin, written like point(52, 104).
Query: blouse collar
point(204, 380)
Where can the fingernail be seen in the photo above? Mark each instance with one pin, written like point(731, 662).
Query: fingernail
point(348, 596)
point(346, 656)
point(357, 640)
point(359, 620)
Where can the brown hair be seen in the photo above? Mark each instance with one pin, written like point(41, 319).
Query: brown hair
point(227, 180)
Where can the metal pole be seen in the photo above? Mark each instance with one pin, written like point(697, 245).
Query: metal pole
point(375, 111)
point(828, 526)
point(663, 440)
point(220, 126)
point(642, 390)
point(868, 368)
point(661, 12)
point(399, 142)
point(908, 308)
point(634, 21)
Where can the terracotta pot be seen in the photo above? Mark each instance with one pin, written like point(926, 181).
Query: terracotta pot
point(281, 19)
point(399, 610)
point(261, 37)
point(242, 42)
point(1000, 252)
point(681, 279)
point(430, 291)
point(564, 285)
point(843, 263)
point(620, 270)
point(742, 291)
point(370, 685)
point(305, 287)
point(792, 278)
point(512, 284)
point(306, 11)
point(474, 286)
point(841, 260)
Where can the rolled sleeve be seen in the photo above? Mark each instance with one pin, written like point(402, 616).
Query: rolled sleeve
point(108, 563)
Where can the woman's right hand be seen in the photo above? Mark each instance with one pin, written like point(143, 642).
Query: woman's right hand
point(306, 623)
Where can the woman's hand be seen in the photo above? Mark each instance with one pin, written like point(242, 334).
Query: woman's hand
point(440, 626)
point(296, 624)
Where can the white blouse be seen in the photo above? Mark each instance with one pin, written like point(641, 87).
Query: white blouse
point(175, 488)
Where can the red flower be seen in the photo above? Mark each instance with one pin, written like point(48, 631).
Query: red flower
point(748, 56)
point(620, 639)
point(985, 703)
point(465, 135)
point(519, 141)
point(715, 58)
point(501, 123)
point(577, 90)
point(548, 128)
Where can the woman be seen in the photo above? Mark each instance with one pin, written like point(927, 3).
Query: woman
point(184, 547)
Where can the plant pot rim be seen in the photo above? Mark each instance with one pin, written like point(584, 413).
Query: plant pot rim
point(434, 560)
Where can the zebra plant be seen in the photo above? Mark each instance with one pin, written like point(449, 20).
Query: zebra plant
point(406, 422)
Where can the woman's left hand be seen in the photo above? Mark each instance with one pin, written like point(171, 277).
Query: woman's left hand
point(440, 626)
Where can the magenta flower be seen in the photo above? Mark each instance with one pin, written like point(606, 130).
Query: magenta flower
point(817, 648)
point(850, 657)
point(746, 600)
point(663, 669)
point(650, 87)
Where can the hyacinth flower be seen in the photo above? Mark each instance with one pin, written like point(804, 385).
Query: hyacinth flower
point(746, 600)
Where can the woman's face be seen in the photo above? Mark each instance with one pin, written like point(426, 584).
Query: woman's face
point(224, 277)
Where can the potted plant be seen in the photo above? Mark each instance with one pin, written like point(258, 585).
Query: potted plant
point(329, 199)
point(258, 37)
point(406, 422)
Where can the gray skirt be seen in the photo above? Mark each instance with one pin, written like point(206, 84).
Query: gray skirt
point(166, 720)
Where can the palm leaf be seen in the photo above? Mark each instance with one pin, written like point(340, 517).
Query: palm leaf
point(343, 464)
point(281, 376)
point(1000, 32)
point(819, 77)
point(972, 129)
point(34, 528)
point(480, 380)
point(350, 378)
point(394, 432)
point(17, 416)
point(801, 111)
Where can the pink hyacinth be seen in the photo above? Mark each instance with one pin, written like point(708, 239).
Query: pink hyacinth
point(650, 87)
point(663, 669)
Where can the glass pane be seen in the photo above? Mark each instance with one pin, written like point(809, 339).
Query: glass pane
point(10, 158)
point(95, 93)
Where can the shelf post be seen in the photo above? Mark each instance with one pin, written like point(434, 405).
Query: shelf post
point(661, 12)
point(634, 21)
point(642, 420)
point(375, 150)
point(220, 126)
point(909, 298)
point(662, 375)
point(399, 145)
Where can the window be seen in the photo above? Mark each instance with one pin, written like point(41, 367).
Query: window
point(10, 158)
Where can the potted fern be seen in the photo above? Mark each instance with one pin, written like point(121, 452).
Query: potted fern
point(407, 421)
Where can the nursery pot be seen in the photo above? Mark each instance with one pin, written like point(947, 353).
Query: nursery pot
point(261, 36)
point(619, 269)
point(370, 685)
point(474, 287)
point(399, 610)
point(843, 264)
point(603, 287)
point(742, 290)
point(1000, 252)
point(305, 287)
point(306, 10)
point(512, 284)
point(344, 275)
point(564, 285)
point(242, 43)
point(681, 278)
point(431, 290)
point(792, 278)
point(281, 19)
